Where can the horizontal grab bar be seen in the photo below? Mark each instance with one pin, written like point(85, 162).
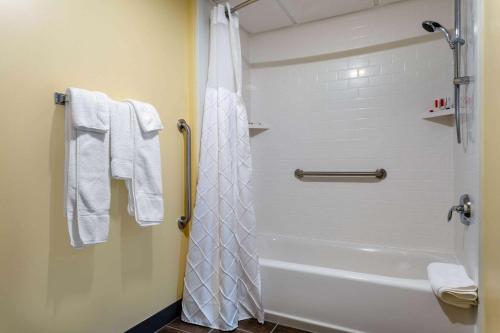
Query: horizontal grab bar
point(379, 173)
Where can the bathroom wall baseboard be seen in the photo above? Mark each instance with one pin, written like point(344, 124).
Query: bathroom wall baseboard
point(158, 320)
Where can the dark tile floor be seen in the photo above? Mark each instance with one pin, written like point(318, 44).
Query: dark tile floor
point(245, 326)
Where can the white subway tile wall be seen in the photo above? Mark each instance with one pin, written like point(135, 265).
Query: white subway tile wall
point(356, 113)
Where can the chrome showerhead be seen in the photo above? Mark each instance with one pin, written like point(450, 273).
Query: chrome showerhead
point(432, 26)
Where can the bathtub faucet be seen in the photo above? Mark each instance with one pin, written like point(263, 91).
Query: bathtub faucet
point(464, 210)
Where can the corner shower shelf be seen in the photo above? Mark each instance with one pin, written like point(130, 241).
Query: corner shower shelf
point(439, 113)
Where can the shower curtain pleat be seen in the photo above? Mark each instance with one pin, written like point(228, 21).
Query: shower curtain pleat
point(222, 280)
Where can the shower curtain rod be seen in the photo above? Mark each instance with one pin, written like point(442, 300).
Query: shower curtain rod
point(241, 5)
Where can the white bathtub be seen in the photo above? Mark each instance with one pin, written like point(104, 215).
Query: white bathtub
point(330, 287)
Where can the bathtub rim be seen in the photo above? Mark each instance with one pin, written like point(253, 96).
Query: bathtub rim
point(413, 284)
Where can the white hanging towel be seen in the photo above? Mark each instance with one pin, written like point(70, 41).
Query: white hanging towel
point(222, 281)
point(145, 188)
point(87, 184)
point(452, 285)
point(122, 151)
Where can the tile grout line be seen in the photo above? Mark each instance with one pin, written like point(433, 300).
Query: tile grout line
point(212, 329)
point(166, 325)
point(170, 322)
point(276, 325)
point(175, 328)
point(241, 329)
point(178, 329)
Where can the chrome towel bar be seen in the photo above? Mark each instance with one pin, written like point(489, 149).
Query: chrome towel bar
point(184, 220)
point(379, 173)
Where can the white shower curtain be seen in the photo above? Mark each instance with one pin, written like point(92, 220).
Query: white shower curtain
point(222, 281)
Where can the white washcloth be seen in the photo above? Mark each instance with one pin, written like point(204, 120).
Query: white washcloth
point(122, 151)
point(452, 285)
point(145, 188)
point(87, 185)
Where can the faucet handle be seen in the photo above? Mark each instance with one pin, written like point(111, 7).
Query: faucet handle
point(459, 209)
point(464, 209)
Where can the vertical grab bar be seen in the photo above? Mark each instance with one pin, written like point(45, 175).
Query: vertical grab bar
point(458, 80)
point(182, 221)
point(458, 41)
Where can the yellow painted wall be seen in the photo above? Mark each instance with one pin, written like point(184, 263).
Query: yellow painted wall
point(141, 49)
point(491, 168)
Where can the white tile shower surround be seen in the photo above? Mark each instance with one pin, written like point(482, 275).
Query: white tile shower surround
point(356, 113)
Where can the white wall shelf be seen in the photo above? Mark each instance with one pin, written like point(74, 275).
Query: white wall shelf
point(438, 113)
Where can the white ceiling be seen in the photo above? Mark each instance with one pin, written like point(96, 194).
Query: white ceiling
point(265, 15)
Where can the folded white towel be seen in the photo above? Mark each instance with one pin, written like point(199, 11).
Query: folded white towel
point(148, 117)
point(145, 188)
point(452, 285)
point(90, 109)
point(87, 186)
point(122, 151)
